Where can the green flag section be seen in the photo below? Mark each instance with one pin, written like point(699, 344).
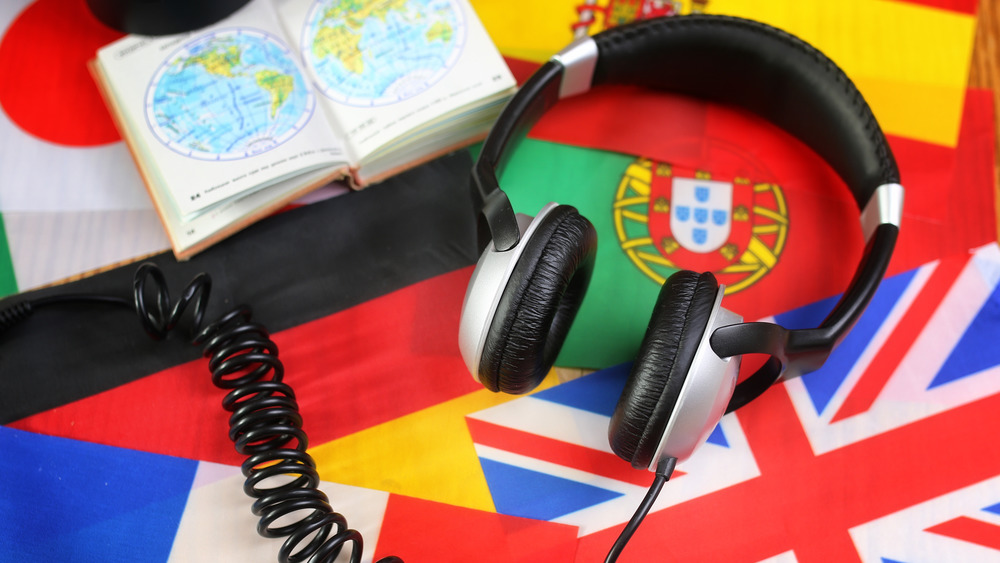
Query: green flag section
point(784, 232)
point(616, 309)
point(770, 263)
point(8, 283)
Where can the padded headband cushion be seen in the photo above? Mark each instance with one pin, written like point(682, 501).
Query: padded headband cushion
point(539, 302)
point(764, 70)
point(675, 330)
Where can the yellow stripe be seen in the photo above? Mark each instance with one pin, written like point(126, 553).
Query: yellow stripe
point(761, 252)
point(641, 173)
point(428, 454)
point(766, 229)
point(637, 242)
point(638, 185)
point(911, 62)
point(655, 259)
point(770, 214)
point(638, 217)
point(925, 112)
point(528, 29)
point(740, 268)
point(641, 200)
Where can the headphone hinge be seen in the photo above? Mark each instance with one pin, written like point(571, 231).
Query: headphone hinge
point(578, 59)
point(885, 206)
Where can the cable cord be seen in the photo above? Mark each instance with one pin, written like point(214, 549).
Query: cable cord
point(663, 472)
point(265, 424)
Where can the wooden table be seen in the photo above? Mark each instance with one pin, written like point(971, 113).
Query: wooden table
point(985, 73)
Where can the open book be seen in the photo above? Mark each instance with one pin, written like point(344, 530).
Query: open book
point(229, 123)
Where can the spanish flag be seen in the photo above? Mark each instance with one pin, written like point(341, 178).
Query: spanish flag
point(909, 58)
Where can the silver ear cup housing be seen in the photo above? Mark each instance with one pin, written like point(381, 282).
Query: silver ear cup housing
point(707, 389)
point(490, 277)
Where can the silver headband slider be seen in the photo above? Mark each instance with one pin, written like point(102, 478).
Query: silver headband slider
point(578, 60)
point(884, 207)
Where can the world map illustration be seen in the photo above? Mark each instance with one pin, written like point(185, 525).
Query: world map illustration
point(378, 52)
point(227, 95)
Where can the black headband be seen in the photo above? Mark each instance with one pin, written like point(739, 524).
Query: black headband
point(753, 66)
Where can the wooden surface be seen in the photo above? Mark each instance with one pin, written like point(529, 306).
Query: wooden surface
point(985, 73)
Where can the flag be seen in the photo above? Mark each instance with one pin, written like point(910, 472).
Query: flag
point(547, 456)
point(794, 235)
point(362, 295)
point(957, 526)
point(91, 210)
point(367, 335)
point(659, 141)
point(331, 273)
point(79, 501)
point(787, 478)
point(920, 59)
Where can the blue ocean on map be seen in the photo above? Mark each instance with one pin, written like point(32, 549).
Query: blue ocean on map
point(226, 95)
point(376, 52)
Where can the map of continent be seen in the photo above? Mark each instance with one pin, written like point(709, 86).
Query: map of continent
point(378, 52)
point(227, 95)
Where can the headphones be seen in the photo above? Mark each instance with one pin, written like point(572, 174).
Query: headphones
point(533, 272)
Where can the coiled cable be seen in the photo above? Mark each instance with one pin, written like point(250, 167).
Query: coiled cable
point(265, 424)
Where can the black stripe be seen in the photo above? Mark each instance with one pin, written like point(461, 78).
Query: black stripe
point(294, 267)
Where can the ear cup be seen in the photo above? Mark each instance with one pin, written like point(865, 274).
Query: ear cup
point(675, 330)
point(538, 304)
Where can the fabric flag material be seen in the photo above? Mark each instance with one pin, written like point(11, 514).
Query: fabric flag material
point(782, 490)
point(393, 264)
point(919, 60)
point(8, 282)
point(547, 457)
point(911, 477)
point(362, 295)
point(960, 526)
point(790, 235)
point(78, 501)
point(90, 210)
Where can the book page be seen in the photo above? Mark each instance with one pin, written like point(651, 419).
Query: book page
point(386, 67)
point(219, 112)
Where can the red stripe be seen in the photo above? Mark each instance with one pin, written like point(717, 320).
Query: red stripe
point(556, 451)
point(350, 371)
point(807, 503)
point(961, 6)
point(970, 530)
point(521, 69)
point(420, 530)
point(874, 378)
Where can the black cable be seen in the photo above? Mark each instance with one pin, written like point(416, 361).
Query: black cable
point(19, 312)
point(663, 472)
point(265, 419)
point(265, 424)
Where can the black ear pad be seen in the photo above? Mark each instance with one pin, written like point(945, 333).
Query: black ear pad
point(539, 302)
point(678, 322)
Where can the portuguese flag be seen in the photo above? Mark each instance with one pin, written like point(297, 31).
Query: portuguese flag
point(623, 156)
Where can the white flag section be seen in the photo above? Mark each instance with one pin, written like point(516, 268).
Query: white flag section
point(924, 346)
point(547, 457)
point(84, 205)
point(963, 525)
point(217, 524)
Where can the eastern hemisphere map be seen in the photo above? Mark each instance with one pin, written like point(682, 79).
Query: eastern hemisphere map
point(378, 52)
point(227, 95)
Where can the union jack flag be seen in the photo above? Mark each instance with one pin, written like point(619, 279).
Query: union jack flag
point(886, 454)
